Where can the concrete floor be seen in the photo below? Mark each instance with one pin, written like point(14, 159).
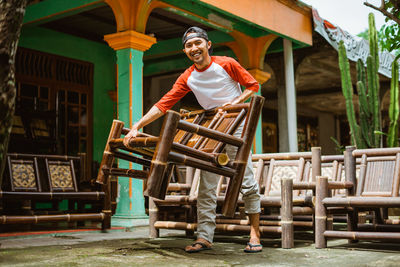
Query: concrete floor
point(135, 249)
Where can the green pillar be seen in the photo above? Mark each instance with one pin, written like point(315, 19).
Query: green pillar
point(261, 77)
point(259, 145)
point(129, 46)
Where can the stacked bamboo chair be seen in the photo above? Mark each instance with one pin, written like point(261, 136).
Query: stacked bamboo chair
point(194, 139)
point(31, 178)
point(375, 190)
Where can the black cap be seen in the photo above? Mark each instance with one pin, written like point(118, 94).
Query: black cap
point(194, 32)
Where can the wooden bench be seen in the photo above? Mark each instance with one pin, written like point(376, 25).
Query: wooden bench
point(376, 188)
point(34, 178)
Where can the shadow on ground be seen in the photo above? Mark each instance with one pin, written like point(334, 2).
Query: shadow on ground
point(168, 251)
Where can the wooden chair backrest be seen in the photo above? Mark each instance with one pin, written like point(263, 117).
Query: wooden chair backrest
point(278, 169)
point(221, 122)
point(23, 173)
point(61, 175)
point(379, 172)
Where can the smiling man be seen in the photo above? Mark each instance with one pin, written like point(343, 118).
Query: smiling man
point(215, 81)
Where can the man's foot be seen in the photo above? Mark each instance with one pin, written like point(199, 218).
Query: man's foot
point(199, 245)
point(253, 246)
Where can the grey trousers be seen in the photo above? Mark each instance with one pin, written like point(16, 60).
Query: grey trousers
point(207, 195)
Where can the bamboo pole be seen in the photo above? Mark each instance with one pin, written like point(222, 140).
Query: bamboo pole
point(220, 159)
point(365, 202)
point(132, 158)
point(315, 162)
point(52, 195)
point(282, 156)
point(331, 185)
point(108, 158)
point(113, 193)
point(34, 219)
point(353, 235)
point(153, 218)
point(158, 167)
point(350, 176)
point(262, 222)
point(350, 169)
point(243, 152)
point(138, 174)
point(213, 134)
point(134, 142)
point(376, 151)
point(320, 212)
point(286, 213)
point(200, 164)
point(219, 227)
point(178, 187)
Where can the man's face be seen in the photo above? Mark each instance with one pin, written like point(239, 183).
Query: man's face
point(196, 50)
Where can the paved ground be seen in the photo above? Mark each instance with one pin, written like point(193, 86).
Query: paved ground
point(135, 249)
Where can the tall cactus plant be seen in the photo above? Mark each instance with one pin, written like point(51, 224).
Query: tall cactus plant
point(347, 89)
point(367, 133)
point(394, 106)
point(363, 134)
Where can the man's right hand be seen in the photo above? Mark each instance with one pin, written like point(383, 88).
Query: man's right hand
point(132, 134)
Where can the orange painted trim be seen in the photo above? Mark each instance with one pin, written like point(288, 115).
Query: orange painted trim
point(260, 76)
point(130, 192)
point(274, 15)
point(130, 119)
point(129, 39)
point(117, 81)
point(132, 15)
point(130, 89)
point(250, 51)
point(125, 13)
point(144, 13)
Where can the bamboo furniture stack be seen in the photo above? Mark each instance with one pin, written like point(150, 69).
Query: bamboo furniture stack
point(50, 178)
point(194, 139)
point(376, 189)
point(275, 174)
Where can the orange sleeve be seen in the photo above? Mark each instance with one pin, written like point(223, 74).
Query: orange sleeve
point(179, 90)
point(238, 73)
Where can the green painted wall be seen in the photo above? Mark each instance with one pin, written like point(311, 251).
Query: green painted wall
point(104, 60)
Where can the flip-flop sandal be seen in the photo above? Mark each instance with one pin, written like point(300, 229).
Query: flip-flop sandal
point(201, 248)
point(250, 250)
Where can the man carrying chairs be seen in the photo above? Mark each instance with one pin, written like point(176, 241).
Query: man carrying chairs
point(215, 81)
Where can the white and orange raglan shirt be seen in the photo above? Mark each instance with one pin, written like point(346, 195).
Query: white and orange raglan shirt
point(213, 86)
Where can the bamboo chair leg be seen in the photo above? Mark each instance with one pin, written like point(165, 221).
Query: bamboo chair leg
point(106, 223)
point(350, 175)
point(190, 218)
point(352, 220)
point(287, 213)
point(153, 218)
point(320, 212)
point(158, 167)
point(243, 152)
point(108, 158)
